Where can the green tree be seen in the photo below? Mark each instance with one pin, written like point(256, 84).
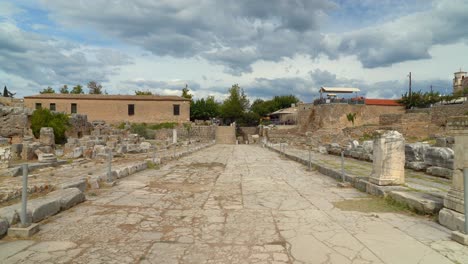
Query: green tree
point(94, 88)
point(48, 90)
point(143, 93)
point(420, 99)
point(284, 101)
point(203, 109)
point(261, 107)
point(78, 89)
point(43, 117)
point(64, 89)
point(235, 105)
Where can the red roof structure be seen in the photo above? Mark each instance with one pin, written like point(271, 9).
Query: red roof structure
point(388, 102)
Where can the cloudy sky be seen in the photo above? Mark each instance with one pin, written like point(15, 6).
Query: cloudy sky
point(268, 47)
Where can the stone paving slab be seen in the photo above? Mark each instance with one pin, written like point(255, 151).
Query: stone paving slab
point(232, 204)
point(45, 179)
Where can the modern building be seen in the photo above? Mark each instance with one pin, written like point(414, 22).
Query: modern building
point(116, 108)
point(459, 81)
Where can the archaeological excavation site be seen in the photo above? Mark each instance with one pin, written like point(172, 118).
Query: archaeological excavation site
point(322, 186)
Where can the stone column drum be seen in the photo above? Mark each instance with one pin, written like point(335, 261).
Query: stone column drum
point(451, 215)
point(389, 158)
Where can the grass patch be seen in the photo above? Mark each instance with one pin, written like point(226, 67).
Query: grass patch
point(373, 205)
point(151, 165)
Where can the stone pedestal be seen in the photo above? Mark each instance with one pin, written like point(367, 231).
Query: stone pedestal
point(47, 137)
point(454, 201)
point(388, 158)
point(174, 136)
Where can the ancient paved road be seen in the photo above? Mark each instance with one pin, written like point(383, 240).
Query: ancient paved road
point(231, 204)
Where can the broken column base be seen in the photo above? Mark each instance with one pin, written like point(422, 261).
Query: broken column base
point(460, 237)
point(452, 220)
point(23, 232)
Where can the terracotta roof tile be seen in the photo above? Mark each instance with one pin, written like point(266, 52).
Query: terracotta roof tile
point(108, 97)
point(389, 102)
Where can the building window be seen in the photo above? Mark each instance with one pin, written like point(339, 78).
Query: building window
point(52, 107)
point(176, 110)
point(131, 109)
point(38, 105)
point(73, 109)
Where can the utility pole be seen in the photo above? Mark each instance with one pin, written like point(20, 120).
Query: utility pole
point(410, 86)
point(431, 88)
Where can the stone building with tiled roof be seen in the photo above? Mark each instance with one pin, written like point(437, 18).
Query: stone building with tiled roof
point(116, 108)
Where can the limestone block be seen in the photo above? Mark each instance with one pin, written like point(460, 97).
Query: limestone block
point(100, 151)
point(368, 146)
point(354, 143)
point(111, 144)
point(322, 150)
point(43, 207)
point(440, 157)
point(71, 140)
point(440, 172)
point(28, 150)
point(133, 148)
point(388, 158)
point(4, 141)
point(145, 146)
point(10, 214)
point(121, 149)
point(46, 136)
point(46, 149)
point(441, 142)
point(80, 184)
point(46, 158)
point(452, 220)
point(3, 227)
point(421, 202)
point(416, 165)
point(16, 150)
point(5, 157)
point(67, 197)
point(77, 152)
point(415, 151)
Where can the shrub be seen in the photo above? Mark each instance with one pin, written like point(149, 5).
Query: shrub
point(139, 129)
point(170, 125)
point(44, 118)
point(121, 125)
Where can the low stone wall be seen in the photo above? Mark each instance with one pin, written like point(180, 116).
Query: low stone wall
point(203, 133)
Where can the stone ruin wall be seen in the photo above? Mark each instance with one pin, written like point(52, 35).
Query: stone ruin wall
point(202, 133)
point(79, 126)
point(333, 116)
point(14, 123)
point(423, 123)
